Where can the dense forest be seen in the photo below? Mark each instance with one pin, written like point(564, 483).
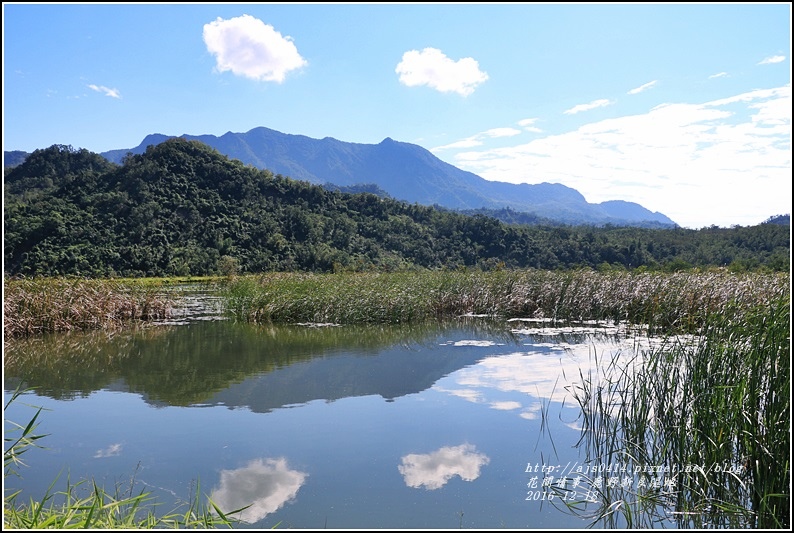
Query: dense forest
point(182, 208)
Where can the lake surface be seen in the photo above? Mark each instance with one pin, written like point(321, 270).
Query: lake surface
point(444, 425)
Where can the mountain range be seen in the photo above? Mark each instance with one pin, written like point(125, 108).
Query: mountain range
point(183, 208)
point(409, 173)
point(405, 172)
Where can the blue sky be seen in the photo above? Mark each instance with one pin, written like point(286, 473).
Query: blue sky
point(682, 108)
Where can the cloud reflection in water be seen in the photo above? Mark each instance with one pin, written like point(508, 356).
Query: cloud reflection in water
point(433, 470)
point(541, 371)
point(266, 485)
point(110, 451)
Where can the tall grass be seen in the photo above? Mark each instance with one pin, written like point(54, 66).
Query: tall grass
point(33, 306)
point(86, 505)
point(664, 301)
point(711, 416)
point(350, 298)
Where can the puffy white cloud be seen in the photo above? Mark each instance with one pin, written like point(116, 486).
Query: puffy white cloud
point(719, 75)
point(587, 107)
point(248, 47)
point(434, 470)
point(643, 87)
point(432, 68)
point(107, 91)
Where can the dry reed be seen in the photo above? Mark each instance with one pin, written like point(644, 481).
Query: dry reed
point(32, 306)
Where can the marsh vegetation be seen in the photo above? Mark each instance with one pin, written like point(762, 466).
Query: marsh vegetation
point(710, 415)
point(32, 306)
point(666, 302)
point(707, 407)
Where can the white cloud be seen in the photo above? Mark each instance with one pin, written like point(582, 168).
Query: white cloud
point(113, 93)
point(719, 75)
point(469, 142)
point(432, 68)
point(434, 470)
point(722, 162)
point(502, 132)
point(643, 87)
point(476, 140)
point(248, 47)
point(265, 485)
point(528, 125)
point(772, 59)
point(587, 107)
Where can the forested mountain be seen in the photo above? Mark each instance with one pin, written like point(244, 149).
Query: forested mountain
point(408, 172)
point(183, 208)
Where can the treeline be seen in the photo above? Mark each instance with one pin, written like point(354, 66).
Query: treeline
point(182, 208)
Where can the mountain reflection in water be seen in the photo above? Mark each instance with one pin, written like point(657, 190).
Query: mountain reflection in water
point(420, 426)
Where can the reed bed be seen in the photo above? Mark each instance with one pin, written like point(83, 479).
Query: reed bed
point(711, 418)
point(32, 306)
point(664, 301)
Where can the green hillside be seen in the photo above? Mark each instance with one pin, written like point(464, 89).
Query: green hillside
point(182, 208)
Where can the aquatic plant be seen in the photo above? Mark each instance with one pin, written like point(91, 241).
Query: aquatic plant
point(678, 301)
point(702, 425)
point(33, 306)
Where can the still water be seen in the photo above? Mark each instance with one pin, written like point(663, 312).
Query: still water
point(446, 425)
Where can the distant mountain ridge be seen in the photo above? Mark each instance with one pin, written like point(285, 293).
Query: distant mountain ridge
point(183, 208)
point(408, 172)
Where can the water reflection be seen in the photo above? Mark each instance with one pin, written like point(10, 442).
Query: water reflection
point(433, 470)
point(240, 365)
point(263, 485)
point(344, 403)
point(542, 372)
point(111, 451)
